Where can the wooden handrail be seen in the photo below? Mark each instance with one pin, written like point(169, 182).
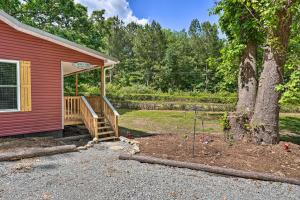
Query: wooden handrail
point(89, 107)
point(95, 102)
point(89, 117)
point(111, 115)
point(111, 106)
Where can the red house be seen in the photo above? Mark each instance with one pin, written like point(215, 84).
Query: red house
point(33, 64)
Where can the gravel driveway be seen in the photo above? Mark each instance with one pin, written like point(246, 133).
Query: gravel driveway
point(98, 174)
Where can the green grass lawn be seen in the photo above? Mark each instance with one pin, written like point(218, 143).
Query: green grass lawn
point(182, 122)
point(169, 121)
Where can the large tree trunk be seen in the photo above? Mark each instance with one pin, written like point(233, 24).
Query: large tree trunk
point(247, 82)
point(264, 123)
point(247, 87)
point(266, 114)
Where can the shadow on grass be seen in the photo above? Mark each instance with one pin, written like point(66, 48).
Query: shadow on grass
point(290, 138)
point(135, 133)
point(123, 111)
point(292, 125)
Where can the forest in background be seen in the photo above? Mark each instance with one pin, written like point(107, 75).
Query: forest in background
point(153, 59)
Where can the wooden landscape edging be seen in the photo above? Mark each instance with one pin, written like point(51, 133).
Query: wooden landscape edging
point(37, 152)
point(211, 169)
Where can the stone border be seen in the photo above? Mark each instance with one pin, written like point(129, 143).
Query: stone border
point(211, 169)
point(134, 144)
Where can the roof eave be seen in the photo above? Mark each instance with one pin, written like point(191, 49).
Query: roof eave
point(11, 21)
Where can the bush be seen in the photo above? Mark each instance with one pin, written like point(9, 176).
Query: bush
point(182, 99)
point(142, 93)
point(139, 89)
point(144, 105)
point(288, 108)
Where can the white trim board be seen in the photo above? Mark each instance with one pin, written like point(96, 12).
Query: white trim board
point(17, 62)
point(62, 97)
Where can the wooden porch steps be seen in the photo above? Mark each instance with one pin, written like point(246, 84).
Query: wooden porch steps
point(95, 112)
point(103, 123)
point(104, 127)
point(105, 131)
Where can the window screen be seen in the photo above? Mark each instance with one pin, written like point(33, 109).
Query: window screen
point(8, 86)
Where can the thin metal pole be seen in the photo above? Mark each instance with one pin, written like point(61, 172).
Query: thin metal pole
point(206, 78)
point(202, 124)
point(194, 138)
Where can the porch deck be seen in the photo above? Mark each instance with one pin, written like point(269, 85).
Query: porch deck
point(95, 112)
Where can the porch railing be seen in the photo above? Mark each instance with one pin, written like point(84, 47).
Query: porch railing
point(89, 117)
point(109, 112)
point(95, 102)
point(111, 115)
point(72, 110)
point(86, 109)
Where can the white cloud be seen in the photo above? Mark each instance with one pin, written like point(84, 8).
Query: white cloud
point(112, 8)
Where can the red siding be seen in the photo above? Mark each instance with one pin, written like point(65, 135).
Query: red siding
point(45, 57)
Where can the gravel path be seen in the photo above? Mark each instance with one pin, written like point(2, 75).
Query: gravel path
point(98, 174)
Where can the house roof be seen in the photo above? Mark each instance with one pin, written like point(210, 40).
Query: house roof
point(11, 21)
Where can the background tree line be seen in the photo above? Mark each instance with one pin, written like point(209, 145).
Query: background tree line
point(189, 60)
point(149, 55)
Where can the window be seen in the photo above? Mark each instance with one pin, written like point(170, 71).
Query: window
point(9, 86)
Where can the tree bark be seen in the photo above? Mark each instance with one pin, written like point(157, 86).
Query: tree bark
point(247, 82)
point(239, 130)
point(264, 123)
point(247, 88)
point(266, 114)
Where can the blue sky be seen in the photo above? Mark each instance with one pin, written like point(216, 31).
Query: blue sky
point(173, 14)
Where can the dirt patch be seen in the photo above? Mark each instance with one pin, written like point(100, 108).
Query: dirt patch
point(214, 151)
point(11, 144)
point(75, 130)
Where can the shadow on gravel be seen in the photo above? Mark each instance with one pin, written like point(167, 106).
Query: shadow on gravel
point(135, 133)
point(47, 166)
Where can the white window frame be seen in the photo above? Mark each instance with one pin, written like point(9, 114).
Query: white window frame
point(18, 86)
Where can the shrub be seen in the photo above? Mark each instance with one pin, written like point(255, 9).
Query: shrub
point(185, 97)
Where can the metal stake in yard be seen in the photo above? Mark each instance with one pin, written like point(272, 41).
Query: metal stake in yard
point(194, 138)
point(202, 125)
